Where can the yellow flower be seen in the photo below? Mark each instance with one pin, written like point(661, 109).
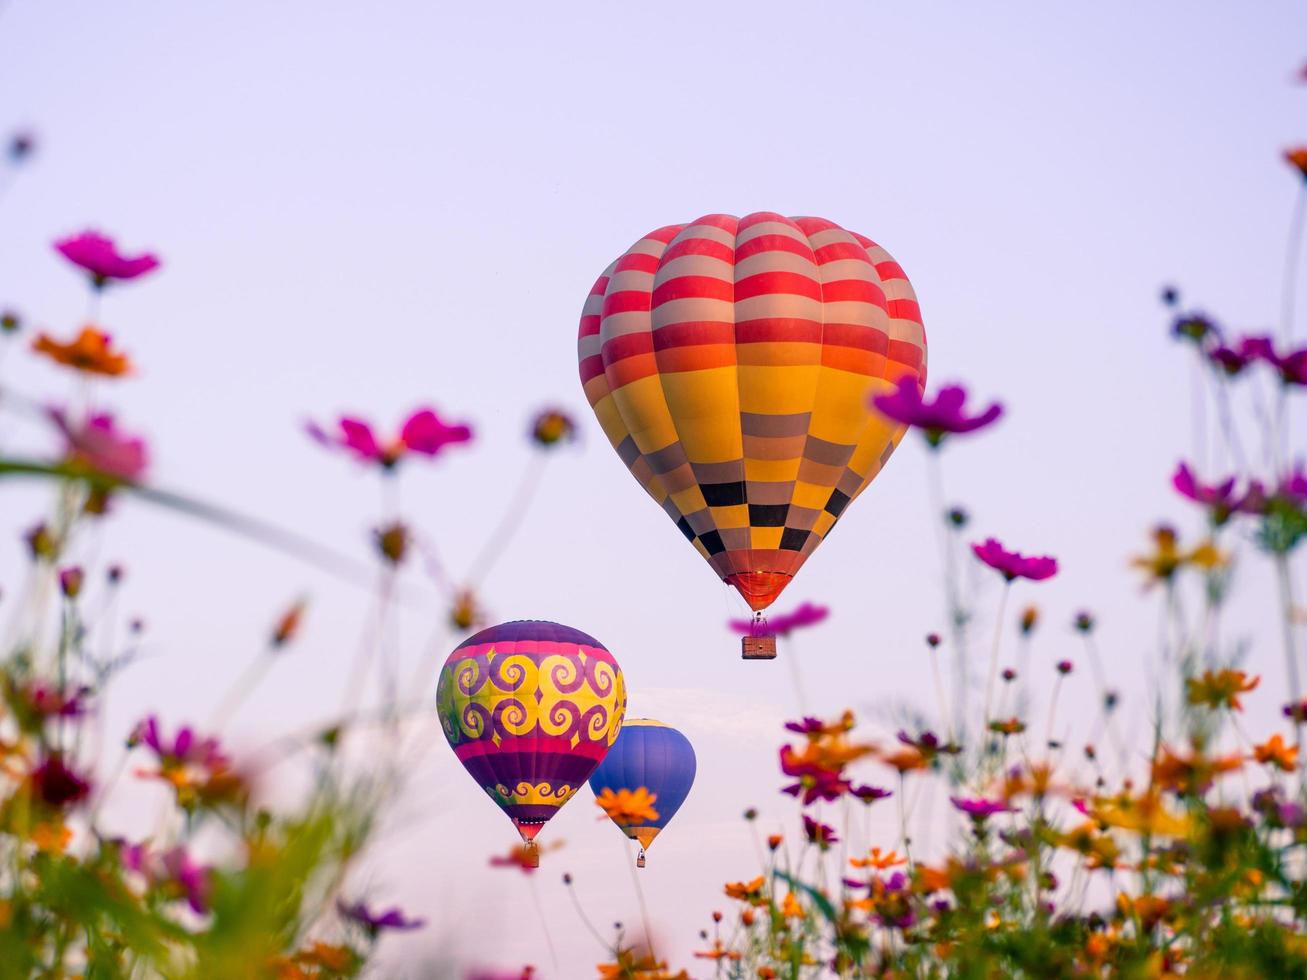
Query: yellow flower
point(1168, 557)
point(790, 908)
point(91, 352)
point(1146, 815)
point(627, 806)
point(52, 838)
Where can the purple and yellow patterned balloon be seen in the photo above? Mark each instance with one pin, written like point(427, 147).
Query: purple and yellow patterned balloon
point(531, 708)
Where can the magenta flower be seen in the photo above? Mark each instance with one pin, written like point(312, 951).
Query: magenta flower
point(1291, 366)
point(98, 445)
point(943, 417)
point(190, 878)
point(808, 614)
point(870, 794)
point(823, 835)
point(184, 749)
point(57, 785)
point(375, 922)
point(43, 701)
point(1227, 359)
point(423, 433)
point(1220, 499)
point(1012, 564)
point(814, 782)
point(100, 257)
point(979, 809)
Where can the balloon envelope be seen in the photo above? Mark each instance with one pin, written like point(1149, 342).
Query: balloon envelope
point(653, 755)
point(731, 362)
point(530, 708)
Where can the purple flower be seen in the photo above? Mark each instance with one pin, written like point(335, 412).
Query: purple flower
point(979, 809)
point(1227, 359)
point(1012, 564)
point(189, 877)
point(58, 786)
point(1291, 366)
point(99, 256)
point(375, 922)
point(870, 794)
point(823, 835)
point(1220, 499)
point(808, 614)
point(185, 747)
point(942, 417)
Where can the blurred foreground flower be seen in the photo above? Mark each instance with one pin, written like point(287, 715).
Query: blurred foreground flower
point(807, 614)
point(99, 256)
point(1275, 752)
point(979, 809)
point(524, 857)
point(97, 445)
point(91, 352)
point(942, 417)
point(1168, 557)
point(377, 922)
point(1296, 157)
point(552, 427)
point(423, 433)
point(626, 806)
point(1220, 688)
point(1220, 499)
point(1013, 565)
point(288, 624)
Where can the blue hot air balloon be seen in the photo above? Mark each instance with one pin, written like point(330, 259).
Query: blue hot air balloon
point(652, 755)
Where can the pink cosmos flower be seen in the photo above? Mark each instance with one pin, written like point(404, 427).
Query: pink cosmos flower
point(99, 256)
point(184, 749)
point(100, 446)
point(808, 614)
point(1291, 365)
point(423, 433)
point(979, 809)
point(944, 416)
point(189, 877)
point(1012, 564)
point(1220, 499)
point(375, 922)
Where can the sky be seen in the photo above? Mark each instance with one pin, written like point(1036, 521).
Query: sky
point(370, 207)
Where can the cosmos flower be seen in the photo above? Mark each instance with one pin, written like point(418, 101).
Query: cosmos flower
point(375, 922)
point(99, 256)
point(1013, 565)
point(1296, 157)
point(1291, 365)
point(1168, 557)
point(783, 624)
point(879, 860)
point(625, 806)
point(56, 785)
point(91, 352)
point(978, 808)
point(288, 624)
point(823, 835)
point(525, 858)
point(747, 891)
point(98, 446)
point(1220, 499)
point(1275, 752)
point(944, 416)
point(423, 433)
point(1220, 688)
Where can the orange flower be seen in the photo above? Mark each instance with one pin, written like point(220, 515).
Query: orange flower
point(92, 352)
point(1221, 688)
point(1099, 849)
point(1274, 752)
point(878, 859)
point(1297, 158)
point(52, 838)
point(1168, 558)
point(289, 624)
point(790, 908)
point(774, 841)
point(1145, 815)
point(905, 760)
point(747, 891)
point(1012, 726)
point(1192, 773)
point(627, 806)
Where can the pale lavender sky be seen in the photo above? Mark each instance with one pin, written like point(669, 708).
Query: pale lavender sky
point(368, 207)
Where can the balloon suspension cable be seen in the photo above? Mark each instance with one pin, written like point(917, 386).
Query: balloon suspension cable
point(639, 859)
point(759, 643)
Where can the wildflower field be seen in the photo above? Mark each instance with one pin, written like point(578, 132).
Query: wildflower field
point(974, 647)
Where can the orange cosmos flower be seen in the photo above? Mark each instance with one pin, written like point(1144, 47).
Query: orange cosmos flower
point(1221, 688)
point(1193, 772)
point(1297, 158)
point(1274, 752)
point(878, 859)
point(905, 760)
point(91, 352)
point(790, 908)
point(627, 806)
point(747, 891)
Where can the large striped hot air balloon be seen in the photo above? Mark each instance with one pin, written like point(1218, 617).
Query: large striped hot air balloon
point(530, 708)
point(655, 757)
point(731, 361)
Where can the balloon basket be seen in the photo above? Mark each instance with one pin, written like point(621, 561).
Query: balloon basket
point(758, 647)
point(639, 859)
point(531, 855)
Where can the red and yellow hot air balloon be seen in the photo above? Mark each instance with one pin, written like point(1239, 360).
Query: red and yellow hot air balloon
point(731, 362)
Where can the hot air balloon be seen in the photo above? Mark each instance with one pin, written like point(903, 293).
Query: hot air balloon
point(731, 362)
point(657, 757)
point(530, 708)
